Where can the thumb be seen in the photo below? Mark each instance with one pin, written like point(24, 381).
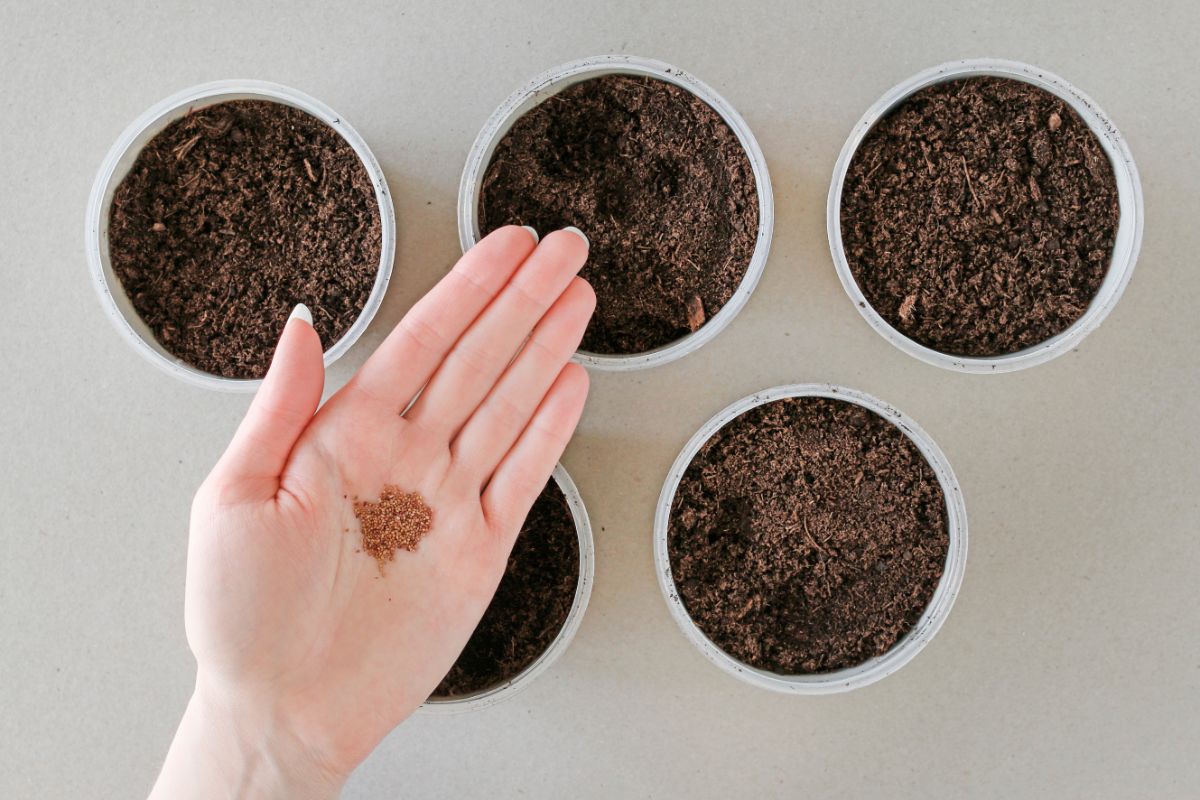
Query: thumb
point(281, 410)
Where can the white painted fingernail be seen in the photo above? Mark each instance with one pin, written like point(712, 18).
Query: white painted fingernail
point(301, 312)
point(532, 233)
point(578, 233)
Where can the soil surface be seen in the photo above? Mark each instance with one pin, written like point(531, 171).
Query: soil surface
point(807, 535)
point(659, 183)
point(531, 604)
point(979, 216)
point(231, 216)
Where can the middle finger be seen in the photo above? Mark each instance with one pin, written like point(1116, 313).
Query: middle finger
point(480, 356)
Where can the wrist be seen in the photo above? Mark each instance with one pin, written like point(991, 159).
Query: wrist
point(226, 747)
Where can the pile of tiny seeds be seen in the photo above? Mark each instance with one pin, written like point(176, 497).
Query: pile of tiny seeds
point(398, 521)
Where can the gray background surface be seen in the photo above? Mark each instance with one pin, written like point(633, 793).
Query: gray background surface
point(1070, 666)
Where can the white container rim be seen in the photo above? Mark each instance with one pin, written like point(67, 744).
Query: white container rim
point(927, 625)
point(583, 592)
point(116, 165)
point(1125, 248)
point(555, 80)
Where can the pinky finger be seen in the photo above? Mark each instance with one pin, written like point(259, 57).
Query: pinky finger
point(523, 473)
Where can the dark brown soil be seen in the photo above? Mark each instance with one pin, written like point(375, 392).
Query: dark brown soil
point(807, 535)
point(979, 216)
point(230, 217)
point(660, 185)
point(531, 604)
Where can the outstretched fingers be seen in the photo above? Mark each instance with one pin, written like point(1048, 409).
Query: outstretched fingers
point(482, 353)
point(524, 471)
point(504, 414)
point(396, 371)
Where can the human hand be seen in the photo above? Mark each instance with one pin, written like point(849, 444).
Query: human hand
point(308, 653)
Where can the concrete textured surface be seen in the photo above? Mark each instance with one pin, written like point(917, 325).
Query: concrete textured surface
point(1070, 666)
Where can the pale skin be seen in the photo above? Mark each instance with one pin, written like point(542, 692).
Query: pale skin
point(307, 655)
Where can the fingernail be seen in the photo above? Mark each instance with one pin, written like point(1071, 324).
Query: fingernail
point(532, 233)
point(301, 312)
point(578, 233)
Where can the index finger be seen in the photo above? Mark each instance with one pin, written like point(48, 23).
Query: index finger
point(406, 360)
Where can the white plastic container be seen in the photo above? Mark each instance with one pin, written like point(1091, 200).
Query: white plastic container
point(583, 592)
point(555, 80)
point(120, 159)
point(903, 651)
point(1129, 229)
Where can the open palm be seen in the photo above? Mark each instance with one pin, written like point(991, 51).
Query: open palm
point(284, 610)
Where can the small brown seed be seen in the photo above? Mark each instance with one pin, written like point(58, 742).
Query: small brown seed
point(695, 313)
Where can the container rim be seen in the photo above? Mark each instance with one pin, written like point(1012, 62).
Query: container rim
point(1125, 247)
point(554, 80)
point(120, 158)
point(583, 592)
point(911, 643)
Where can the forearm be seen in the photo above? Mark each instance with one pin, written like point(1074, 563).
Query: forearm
point(220, 750)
